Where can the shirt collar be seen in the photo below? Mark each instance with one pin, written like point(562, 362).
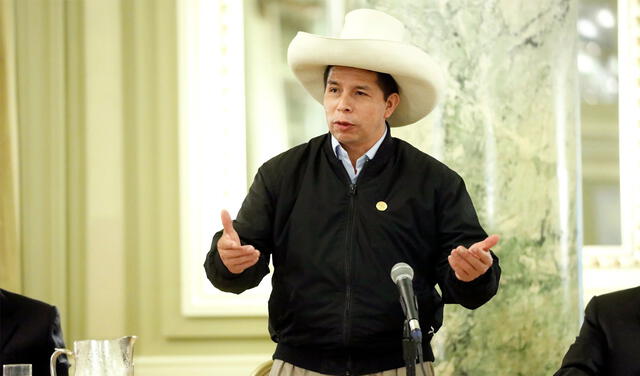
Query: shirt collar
point(338, 150)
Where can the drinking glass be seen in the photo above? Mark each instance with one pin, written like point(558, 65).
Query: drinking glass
point(16, 370)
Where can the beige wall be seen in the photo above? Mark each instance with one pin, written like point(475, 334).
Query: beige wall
point(10, 262)
point(98, 148)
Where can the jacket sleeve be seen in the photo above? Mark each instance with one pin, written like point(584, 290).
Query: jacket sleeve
point(586, 355)
point(254, 226)
point(458, 225)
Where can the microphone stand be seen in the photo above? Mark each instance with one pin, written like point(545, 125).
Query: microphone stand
point(402, 276)
point(410, 348)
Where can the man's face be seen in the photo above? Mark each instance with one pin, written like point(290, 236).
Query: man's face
point(355, 107)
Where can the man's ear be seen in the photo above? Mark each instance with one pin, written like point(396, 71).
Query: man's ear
point(392, 103)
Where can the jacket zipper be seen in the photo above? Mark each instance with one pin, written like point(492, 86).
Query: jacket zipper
point(353, 190)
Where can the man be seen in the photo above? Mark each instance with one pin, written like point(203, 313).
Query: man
point(29, 333)
point(338, 212)
point(609, 340)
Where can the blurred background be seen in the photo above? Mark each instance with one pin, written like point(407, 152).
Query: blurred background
point(125, 126)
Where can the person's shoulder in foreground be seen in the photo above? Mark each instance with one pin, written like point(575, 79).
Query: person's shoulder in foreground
point(609, 339)
point(29, 333)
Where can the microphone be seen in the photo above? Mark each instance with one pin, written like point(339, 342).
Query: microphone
point(402, 276)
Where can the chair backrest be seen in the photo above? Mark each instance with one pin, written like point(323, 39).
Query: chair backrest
point(263, 369)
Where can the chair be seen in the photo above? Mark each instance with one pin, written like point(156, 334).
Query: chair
point(263, 369)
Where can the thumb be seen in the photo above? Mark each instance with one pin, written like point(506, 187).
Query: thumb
point(488, 243)
point(227, 224)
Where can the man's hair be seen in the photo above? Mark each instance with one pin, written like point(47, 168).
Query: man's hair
point(386, 83)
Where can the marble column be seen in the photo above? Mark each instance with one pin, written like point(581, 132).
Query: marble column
point(509, 126)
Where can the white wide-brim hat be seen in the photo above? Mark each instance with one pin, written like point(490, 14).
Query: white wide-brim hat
point(374, 41)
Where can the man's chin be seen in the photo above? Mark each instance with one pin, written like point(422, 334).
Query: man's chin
point(341, 135)
point(344, 139)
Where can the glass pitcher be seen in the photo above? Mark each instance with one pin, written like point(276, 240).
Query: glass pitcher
point(99, 357)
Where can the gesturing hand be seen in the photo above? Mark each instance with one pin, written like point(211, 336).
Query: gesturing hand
point(469, 264)
point(235, 256)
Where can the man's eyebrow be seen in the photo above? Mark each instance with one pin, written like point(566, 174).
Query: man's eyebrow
point(359, 87)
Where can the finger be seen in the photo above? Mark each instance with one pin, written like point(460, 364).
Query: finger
point(475, 252)
point(241, 268)
point(462, 264)
point(239, 252)
point(242, 261)
point(482, 255)
point(227, 223)
point(488, 243)
point(485, 257)
point(463, 276)
point(460, 273)
point(458, 263)
point(245, 262)
point(474, 261)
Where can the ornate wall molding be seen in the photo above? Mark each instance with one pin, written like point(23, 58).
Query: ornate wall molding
point(213, 147)
point(629, 110)
point(629, 40)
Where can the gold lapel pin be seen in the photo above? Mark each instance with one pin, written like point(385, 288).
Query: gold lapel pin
point(381, 206)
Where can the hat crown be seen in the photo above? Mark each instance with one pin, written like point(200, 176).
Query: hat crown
point(372, 24)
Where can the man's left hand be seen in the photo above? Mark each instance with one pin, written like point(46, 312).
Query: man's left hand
point(471, 263)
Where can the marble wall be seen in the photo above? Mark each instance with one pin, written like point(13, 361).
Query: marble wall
point(509, 126)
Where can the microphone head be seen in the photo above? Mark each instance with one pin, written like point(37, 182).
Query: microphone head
point(400, 271)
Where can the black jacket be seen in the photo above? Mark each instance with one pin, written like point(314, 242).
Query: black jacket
point(333, 308)
point(29, 333)
point(609, 340)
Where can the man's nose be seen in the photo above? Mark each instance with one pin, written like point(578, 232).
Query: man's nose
point(344, 104)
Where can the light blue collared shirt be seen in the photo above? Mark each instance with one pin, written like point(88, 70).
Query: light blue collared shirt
point(343, 156)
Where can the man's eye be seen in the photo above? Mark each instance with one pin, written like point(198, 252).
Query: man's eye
point(332, 90)
point(361, 93)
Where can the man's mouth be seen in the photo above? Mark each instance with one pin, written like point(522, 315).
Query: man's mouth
point(343, 124)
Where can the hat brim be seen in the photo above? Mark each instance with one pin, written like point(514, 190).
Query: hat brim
point(418, 77)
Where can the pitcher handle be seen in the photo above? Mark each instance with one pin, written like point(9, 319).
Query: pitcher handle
point(54, 358)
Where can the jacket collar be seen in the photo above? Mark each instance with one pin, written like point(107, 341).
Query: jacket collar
point(374, 166)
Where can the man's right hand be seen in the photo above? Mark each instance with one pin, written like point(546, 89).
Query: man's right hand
point(235, 256)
